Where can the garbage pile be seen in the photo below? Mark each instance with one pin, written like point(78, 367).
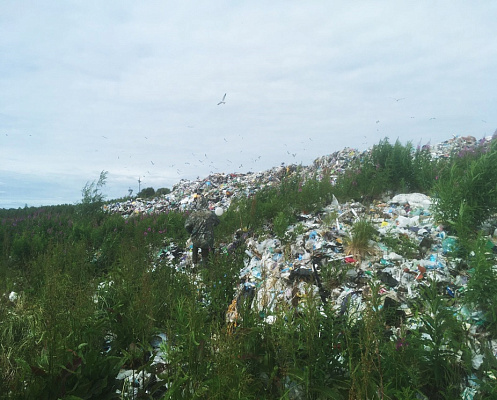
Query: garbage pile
point(278, 272)
point(221, 188)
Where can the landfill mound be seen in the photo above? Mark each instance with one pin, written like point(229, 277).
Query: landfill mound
point(221, 188)
point(278, 273)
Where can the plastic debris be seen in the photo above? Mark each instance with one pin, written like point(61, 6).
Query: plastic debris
point(274, 276)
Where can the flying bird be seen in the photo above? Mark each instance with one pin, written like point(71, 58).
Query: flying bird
point(222, 101)
point(402, 98)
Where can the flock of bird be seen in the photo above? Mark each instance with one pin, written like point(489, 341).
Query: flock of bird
point(215, 167)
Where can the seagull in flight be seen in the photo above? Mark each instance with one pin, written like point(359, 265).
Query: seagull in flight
point(222, 101)
point(402, 98)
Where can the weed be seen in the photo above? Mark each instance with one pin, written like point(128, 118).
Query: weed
point(401, 244)
point(465, 196)
point(358, 244)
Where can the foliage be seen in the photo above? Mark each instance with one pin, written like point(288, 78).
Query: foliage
point(466, 194)
point(358, 244)
point(480, 292)
point(162, 191)
point(92, 196)
point(388, 168)
point(443, 352)
point(401, 244)
point(146, 193)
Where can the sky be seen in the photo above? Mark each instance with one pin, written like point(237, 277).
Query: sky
point(132, 88)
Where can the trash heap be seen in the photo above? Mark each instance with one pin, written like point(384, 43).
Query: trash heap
point(221, 188)
point(278, 272)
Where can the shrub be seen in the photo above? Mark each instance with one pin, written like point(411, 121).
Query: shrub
point(93, 198)
point(480, 291)
point(387, 167)
point(466, 195)
point(147, 193)
point(162, 191)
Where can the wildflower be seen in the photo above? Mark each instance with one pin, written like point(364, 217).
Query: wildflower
point(401, 343)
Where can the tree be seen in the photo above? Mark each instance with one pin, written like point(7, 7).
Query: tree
point(92, 196)
point(162, 191)
point(147, 192)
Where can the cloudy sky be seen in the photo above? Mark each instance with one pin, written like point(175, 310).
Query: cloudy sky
point(133, 88)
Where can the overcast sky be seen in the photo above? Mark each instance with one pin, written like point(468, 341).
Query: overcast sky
point(133, 88)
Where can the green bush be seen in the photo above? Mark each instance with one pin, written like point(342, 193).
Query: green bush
point(91, 204)
point(388, 168)
point(466, 194)
point(162, 191)
point(147, 193)
point(480, 291)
